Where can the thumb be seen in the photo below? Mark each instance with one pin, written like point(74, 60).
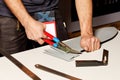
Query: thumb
point(86, 48)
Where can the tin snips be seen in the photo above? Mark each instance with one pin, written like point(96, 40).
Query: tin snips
point(55, 42)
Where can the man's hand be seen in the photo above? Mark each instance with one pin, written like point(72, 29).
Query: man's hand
point(90, 43)
point(33, 28)
point(34, 31)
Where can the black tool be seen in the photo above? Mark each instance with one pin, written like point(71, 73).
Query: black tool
point(87, 63)
point(56, 72)
point(19, 65)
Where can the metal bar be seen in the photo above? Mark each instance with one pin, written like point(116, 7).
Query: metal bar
point(56, 72)
point(19, 65)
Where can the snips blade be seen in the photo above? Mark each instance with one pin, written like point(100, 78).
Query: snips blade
point(62, 46)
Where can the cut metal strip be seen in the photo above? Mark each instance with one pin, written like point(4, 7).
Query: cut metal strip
point(19, 65)
point(60, 54)
point(56, 72)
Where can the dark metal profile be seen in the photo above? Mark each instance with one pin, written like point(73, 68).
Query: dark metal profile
point(87, 63)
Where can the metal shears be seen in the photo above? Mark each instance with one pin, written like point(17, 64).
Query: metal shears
point(55, 42)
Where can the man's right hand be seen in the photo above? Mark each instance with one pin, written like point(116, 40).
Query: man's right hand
point(34, 30)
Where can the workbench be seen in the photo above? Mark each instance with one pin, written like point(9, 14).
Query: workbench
point(9, 71)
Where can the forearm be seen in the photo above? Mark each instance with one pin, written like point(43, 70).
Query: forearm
point(84, 10)
point(18, 9)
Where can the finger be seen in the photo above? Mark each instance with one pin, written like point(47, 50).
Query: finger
point(30, 36)
point(40, 41)
point(39, 36)
point(86, 48)
point(98, 44)
point(44, 36)
point(92, 44)
point(85, 44)
point(95, 44)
